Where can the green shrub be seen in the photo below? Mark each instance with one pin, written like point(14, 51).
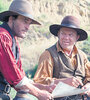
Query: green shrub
point(3, 5)
point(31, 73)
point(86, 47)
point(89, 39)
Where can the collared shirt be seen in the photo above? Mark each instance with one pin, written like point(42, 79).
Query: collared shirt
point(44, 72)
point(71, 55)
point(10, 61)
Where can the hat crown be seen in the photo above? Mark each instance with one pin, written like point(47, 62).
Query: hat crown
point(71, 21)
point(22, 7)
point(19, 7)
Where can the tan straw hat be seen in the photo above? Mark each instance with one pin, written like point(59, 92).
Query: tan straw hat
point(19, 7)
point(69, 22)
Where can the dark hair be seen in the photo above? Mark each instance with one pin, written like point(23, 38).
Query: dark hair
point(7, 18)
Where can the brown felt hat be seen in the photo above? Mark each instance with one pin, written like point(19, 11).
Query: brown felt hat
point(19, 7)
point(69, 22)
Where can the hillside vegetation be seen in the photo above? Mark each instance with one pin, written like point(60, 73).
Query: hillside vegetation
point(50, 12)
point(39, 38)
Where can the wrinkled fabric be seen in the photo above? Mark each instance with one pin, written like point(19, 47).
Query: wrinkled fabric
point(4, 97)
point(44, 72)
point(10, 67)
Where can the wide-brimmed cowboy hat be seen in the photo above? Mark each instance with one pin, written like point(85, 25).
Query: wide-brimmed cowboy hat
point(69, 22)
point(19, 7)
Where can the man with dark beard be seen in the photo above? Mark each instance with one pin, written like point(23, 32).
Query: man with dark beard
point(16, 22)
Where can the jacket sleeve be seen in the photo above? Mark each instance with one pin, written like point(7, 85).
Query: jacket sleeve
point(44, 74)
point(8, 66)
point(87, 69)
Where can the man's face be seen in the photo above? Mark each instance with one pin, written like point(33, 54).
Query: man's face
point(20, 26)
point(67, 38)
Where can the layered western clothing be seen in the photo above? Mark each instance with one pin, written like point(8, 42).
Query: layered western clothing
point(11, 71)
point(55, 64)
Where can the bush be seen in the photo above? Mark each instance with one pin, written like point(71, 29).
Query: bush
point(3, 5)
point(86, 47)
point(31, 73)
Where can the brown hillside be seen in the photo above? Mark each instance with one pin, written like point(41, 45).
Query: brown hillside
point(49, 12)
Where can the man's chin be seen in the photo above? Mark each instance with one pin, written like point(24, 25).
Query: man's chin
point(69, 48)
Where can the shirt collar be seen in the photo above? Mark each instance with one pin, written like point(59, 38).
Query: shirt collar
point(5, 25)
point(74, 52)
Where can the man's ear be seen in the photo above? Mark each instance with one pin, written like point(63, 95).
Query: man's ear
point(10, 21)
point(78, 37)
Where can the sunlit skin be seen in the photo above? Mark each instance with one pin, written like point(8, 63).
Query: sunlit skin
point(20, 25)
point(67, 38)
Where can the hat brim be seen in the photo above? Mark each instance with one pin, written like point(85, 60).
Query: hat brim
point(5, 14)
point(55, 28)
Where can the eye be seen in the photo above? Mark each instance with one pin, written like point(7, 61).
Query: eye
point(71, 34)
point(25, 20)
point(62, 33)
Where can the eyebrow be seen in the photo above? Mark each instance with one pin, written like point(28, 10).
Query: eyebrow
point(28, 19)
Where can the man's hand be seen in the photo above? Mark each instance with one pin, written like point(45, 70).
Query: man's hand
point(44, 95)
point(44, 91)
point(87, 86)
point(38, 90)
point(48, 88)
point(73, 81)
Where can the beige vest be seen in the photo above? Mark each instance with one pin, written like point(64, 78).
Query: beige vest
point(62, 66)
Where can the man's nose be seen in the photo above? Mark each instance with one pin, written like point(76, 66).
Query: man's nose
point(66, 36)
